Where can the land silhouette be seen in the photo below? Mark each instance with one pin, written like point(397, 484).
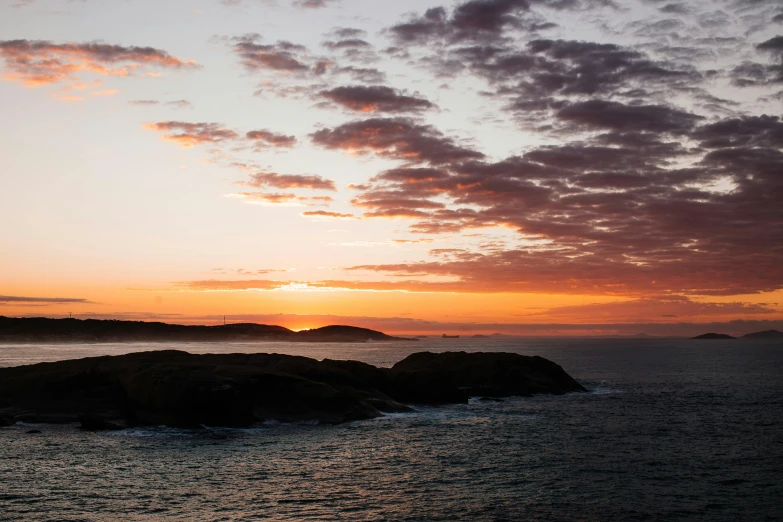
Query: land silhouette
point(713, 336)
point(41, 329)
point(179, 389)
point(767, 334)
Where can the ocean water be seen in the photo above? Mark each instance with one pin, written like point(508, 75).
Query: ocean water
point(671, 430)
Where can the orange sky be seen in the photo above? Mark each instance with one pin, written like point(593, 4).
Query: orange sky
point(416, 167)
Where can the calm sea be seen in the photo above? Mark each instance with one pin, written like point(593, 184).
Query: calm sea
point(671, 430)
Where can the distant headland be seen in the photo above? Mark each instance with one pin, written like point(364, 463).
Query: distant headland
point(40, 329)
point(767, 334)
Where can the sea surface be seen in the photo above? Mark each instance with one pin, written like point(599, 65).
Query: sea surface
point(670, 430)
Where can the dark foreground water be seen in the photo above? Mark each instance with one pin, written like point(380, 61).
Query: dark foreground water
point(672, 430)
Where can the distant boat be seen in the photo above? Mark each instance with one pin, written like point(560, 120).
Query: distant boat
point(450, 336)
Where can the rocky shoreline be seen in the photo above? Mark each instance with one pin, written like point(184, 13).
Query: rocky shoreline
point(179, 389)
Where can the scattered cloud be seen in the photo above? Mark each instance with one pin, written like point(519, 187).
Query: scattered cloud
point(289, 181)
point(362, 98)
point(266, 138)
point(327, 214)
point(37, 62)
point(397, 138)
point(187, 135)
point(282, 56)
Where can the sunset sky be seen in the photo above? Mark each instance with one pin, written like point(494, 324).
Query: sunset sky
point(523, 166)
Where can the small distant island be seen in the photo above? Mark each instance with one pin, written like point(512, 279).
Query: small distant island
point(766, 334)
point(713, 336)
point(41, 329)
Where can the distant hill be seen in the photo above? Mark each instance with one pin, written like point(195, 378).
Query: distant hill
point(766, 334)
point(713, 336)
point(40, 329)
point(339, 333)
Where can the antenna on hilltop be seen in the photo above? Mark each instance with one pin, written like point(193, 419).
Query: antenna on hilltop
point(224, 320)
point(69, 315)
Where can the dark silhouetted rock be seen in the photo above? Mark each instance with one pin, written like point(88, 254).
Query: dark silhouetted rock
point(425, 388)
point(767, 334)
point(491, 374)
point(33, 432)
point(713, 336)
point(176, 388)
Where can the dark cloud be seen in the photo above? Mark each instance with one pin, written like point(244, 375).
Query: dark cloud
point(474, 20)
point(749, 131)
point(351, 43)
point(352, 48)
point(375, 99)
point(751, 74)
point(557, 272)
point(363, 74)
point(349, 32)
point(398, 138)
point(774, 45)
point(39, 62)
point(621, 117)
point(481, 21)
point(575, 68)
point(188, 134)
point(289, 181)
point(266, 138)
point(282, 56)
point(675, 8)
point(628, 210)
point(412, 175)
point(12, 300)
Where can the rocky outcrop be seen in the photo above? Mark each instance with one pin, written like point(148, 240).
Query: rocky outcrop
point(490, 374)
point(179, 389)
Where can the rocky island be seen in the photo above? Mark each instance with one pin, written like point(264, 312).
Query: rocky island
point(179, 389)
point(766, 334)
point(713, 336)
